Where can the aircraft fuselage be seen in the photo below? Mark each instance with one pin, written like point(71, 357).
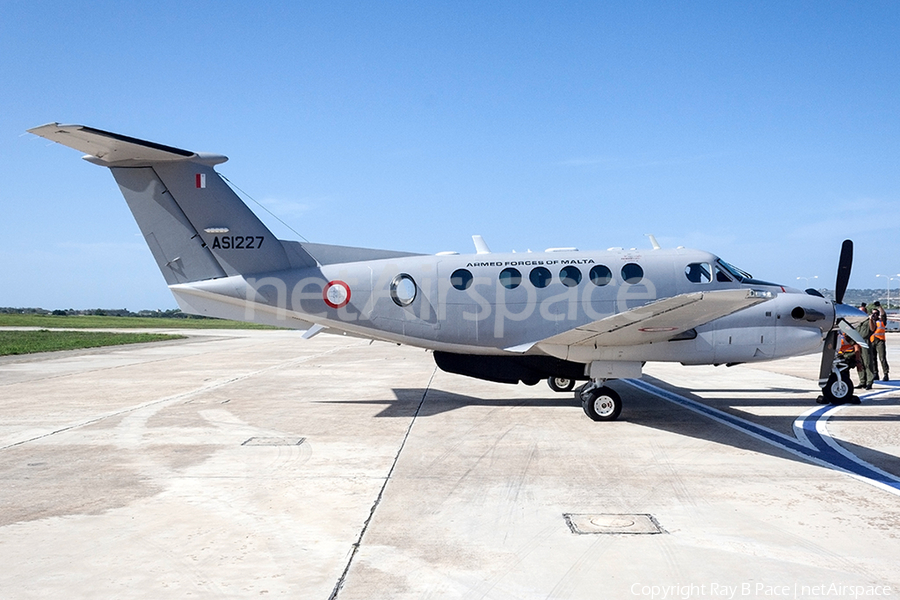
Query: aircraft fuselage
point(491, 303)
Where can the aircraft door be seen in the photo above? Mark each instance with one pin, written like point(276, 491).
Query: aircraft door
point(426, 276)
point(404, 298)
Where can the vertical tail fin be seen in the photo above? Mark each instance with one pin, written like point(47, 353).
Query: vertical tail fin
point(174, 241)
point(196, 226)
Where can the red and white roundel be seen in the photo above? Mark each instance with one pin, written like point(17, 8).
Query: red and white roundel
point(336, 294)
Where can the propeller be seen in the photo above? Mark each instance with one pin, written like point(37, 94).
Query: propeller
point(843, 273)
point(845, 262)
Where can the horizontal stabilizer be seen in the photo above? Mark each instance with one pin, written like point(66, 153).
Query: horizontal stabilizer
point(112, 149)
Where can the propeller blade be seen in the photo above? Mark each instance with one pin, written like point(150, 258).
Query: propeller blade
point(845, 262)
point(843, 273)
point(828, 353)
point(854, 334)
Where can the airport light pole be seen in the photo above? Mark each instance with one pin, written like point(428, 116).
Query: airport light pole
point(890, 279)
point(808, 278)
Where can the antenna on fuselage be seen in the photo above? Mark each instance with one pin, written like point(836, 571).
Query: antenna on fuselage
point(653, 241)
point(481, 246)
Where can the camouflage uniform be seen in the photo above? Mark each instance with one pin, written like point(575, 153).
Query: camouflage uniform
point(864, 366)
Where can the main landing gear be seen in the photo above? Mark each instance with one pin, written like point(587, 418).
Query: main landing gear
point(561, 384)
point(599, 402)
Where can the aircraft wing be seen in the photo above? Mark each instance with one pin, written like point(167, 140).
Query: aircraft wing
point(660, 320)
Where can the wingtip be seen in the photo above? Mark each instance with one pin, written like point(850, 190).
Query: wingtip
point(53, 125)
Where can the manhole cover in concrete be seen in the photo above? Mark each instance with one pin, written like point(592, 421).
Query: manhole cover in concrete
point(612, 523)
point(274, 441)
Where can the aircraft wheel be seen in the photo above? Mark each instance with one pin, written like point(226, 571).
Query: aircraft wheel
point(602, 404)
point(838, 391)
point(561, 384)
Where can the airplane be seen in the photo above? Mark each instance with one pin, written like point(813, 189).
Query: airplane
point(562, 315)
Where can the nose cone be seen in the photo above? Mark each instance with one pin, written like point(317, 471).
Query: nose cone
point(849, 313)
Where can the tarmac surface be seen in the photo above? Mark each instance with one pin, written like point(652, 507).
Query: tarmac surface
point(238, 464)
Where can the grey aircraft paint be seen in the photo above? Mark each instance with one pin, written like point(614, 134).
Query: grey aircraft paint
point(568, 314)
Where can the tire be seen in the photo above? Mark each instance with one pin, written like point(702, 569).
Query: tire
point(602, 404)
point(838, 391)
point(561, 384)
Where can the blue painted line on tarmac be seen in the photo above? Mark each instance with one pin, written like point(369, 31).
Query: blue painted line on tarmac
point(812, 442)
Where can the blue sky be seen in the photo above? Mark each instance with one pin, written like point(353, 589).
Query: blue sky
point(763, 132)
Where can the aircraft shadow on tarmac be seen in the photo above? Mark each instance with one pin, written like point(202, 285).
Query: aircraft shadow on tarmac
point(647, 410)
point(408, 402)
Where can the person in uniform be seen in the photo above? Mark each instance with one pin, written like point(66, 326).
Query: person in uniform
point(864, 366)
point(847, 350)
point(877, 345)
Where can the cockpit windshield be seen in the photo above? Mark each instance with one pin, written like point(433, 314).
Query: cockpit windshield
point(741, 275)
point(738, 274)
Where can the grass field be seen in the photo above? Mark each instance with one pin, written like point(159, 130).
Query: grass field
point(98, 322)
point(28, 342)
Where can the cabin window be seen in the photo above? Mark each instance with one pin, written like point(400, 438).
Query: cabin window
point(601, 275)
point(570, 276)
point(461, 279)
point(632, 273)
point(510, 278)
point(698, 273)
point(403, 290)
point(540, 277)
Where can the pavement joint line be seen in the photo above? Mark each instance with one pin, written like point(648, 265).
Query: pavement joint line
point(176, 397)
point(814, 444)
point(365, 527)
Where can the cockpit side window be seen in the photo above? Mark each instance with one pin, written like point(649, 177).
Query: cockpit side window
point(721, 276)
point(698, 272)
